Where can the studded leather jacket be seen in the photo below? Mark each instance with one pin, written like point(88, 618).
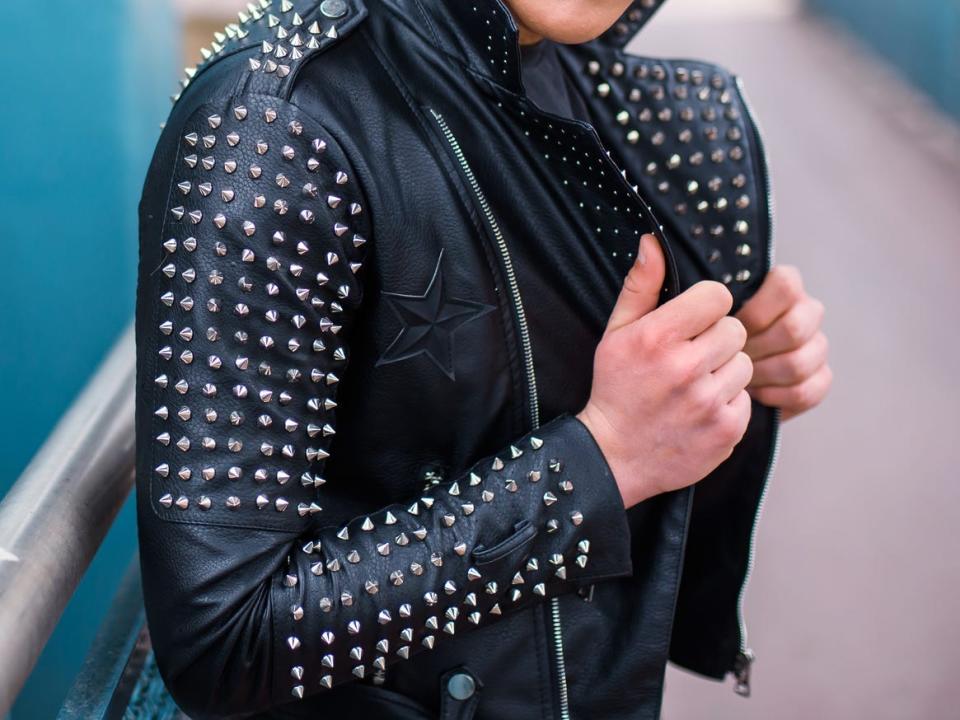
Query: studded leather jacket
point(372, 278)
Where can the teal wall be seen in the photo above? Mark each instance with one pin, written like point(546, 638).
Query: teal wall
point(83, 88)
point(921, 37)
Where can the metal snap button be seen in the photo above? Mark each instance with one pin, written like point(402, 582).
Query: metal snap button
point(461, 686)
point(333, 8)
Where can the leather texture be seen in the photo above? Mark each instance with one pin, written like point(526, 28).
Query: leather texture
point(372, 277)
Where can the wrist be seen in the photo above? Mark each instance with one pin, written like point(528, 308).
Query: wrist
point(626, 474)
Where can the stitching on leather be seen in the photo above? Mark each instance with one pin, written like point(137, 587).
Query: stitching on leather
point(427, 23)
point(155, 315)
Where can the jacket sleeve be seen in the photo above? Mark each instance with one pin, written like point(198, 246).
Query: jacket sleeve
point(254, 234)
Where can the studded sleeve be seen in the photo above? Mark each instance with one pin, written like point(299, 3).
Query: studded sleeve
point(253, 239)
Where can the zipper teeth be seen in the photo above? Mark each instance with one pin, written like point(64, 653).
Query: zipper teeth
point(531, 378)
point(751, 554)
point(561, 663)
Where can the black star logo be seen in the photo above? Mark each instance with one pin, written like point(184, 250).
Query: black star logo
point(429, 322)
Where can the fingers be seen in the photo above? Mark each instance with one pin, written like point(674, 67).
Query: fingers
point(791, 368)
point(736, 417)
point(733, 376)
point(692, 312)
point(790, 331)
point(642, 285)
point(795, 399)
point(720, 342)
point(781, 289)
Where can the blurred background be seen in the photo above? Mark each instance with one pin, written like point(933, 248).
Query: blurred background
point(852, 609)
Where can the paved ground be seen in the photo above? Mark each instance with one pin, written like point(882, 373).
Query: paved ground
point(853, 608)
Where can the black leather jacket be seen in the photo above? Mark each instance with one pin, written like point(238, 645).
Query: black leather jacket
point(372, 277)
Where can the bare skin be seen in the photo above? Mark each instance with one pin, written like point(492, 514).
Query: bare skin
point(786, 343)
point(671, 388)
point(564, 21)
point(668, 401)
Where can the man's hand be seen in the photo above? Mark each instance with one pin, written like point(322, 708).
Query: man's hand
point(668, 401)
point(786, 344)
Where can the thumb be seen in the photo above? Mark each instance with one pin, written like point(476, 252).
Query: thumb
point(642, 285)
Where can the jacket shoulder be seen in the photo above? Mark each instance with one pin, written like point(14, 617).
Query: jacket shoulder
point(253, 227)
point(257, 57)
point(263, 51)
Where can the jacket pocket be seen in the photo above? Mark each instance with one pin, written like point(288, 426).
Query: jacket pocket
point(523, 534)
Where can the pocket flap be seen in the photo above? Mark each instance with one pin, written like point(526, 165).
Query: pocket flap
point(523, 534)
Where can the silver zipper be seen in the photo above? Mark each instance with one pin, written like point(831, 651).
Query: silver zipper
point(507, 263)
point(534, 402)
point(745, 657)
point(561, 664)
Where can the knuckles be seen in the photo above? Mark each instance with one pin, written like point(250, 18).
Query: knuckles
point(800, 397)
point(795, 327)
point(819, 309)
point(705, 399)
point(811, 392)
point(738, 417)
point(787, 281)
point(650, 339)
point(796, 366)
point(684, 370)
point(804, 362)
point(730, 429)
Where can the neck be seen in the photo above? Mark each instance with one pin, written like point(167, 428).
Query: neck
point(526, 36)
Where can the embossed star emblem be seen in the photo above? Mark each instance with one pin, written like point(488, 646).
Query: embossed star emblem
point(429, 323)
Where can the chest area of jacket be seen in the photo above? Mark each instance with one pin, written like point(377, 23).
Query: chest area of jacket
point(501, 242)
point(557, 211)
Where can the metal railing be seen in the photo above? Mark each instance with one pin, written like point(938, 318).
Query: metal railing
point(54, 518)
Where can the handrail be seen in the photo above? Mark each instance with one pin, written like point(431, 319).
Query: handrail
point(54, 518)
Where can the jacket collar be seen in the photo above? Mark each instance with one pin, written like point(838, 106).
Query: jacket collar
point(484, 36)
point(480, 33)
point(629, 24)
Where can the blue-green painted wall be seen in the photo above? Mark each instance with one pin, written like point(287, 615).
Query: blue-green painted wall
point(921, 37)
point(83, 88)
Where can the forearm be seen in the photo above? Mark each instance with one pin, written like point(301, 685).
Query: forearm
point(540, 518)
point(317, 609)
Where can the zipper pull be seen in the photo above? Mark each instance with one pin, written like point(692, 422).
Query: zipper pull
point(741, 671)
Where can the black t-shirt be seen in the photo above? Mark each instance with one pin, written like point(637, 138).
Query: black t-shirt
point(546, 82)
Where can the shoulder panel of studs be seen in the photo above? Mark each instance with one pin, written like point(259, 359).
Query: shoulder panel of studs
point(287, 33)
point(683, 135)
point(262, 238)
